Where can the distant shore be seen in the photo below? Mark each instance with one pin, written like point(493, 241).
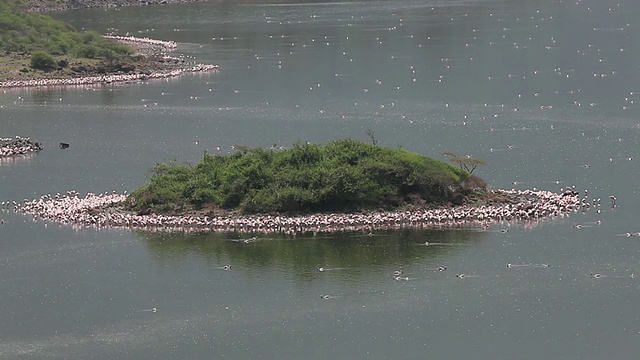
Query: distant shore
point(108, 211)
point(60, 5)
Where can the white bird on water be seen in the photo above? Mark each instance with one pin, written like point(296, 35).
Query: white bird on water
point(464, 276)
point(323, 269)
point(327, 296)
point(598, 276)
point(439, 268)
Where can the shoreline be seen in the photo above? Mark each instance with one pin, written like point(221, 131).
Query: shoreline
point(106, 79)
point(145, 45)
point(105, 211)
point(137, 41)
point(48, 6)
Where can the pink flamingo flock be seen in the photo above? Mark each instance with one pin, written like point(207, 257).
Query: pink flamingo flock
point(105, 211)
point(142, 41)
point(18, 146)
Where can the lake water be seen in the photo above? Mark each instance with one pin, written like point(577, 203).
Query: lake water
point(546, 91)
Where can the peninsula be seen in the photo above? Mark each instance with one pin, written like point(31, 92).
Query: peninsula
point(36, 50)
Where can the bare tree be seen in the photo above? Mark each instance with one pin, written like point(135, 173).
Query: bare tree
point(467, 162)
point(371, 136)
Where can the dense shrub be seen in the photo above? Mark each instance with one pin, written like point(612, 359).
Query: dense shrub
point(343, 175)
point(86, 51)
point(41, 60)
point(27, 32)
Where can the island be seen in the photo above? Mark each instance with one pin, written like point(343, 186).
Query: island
point(343, 185)
point(36, 50)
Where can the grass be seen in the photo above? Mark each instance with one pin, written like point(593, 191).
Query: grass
point(344, 175)
point(15, 66)
point(11, 66)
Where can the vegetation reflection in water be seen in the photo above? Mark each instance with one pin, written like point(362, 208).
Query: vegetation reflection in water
point(354, 253)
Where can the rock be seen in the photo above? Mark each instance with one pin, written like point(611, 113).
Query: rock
point(79, 68)
point(126, 68)
point(457, 199)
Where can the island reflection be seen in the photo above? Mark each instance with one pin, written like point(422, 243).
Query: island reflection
point(354, 253)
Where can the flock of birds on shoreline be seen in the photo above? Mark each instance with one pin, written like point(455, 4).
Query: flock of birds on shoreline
point(104, 211)
point(107, 79)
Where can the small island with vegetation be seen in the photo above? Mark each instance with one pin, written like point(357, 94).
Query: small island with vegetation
point(37, 50)
point(344, 175)
point(344, 185)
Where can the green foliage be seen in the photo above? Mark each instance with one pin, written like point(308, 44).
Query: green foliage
point(343, 175)
point(88, 51)
point(41, 60)
point(26, 32)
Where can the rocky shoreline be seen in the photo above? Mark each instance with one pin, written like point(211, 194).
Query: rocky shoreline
point(107, 79)
point(18, 146)
point(107, 210)
point(61, 5)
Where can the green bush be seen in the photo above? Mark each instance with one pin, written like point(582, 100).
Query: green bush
point(342, 175)
point(41, 60)
point(86, 51)
point(27, 32)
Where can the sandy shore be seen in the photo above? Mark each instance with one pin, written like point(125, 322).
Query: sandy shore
point(106, 211)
